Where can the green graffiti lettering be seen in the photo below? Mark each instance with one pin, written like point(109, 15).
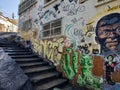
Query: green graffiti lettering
point(87, 78)
point(75, 62)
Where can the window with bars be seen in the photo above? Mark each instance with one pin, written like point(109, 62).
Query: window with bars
point(52, 28)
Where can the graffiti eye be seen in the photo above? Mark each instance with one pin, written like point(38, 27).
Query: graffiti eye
point(105, 32)
point(118, 30)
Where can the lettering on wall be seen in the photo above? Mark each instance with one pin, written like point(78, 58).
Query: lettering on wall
point(78, 68)
point(51, 49)
point(72, 8)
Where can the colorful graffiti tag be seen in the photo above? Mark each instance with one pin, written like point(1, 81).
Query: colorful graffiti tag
point(51, 49)
point(79, 66)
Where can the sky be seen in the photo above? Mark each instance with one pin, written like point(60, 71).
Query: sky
point(7, 7)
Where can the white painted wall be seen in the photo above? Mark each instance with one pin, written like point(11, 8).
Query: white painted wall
point(75, 16)
point(10, 27)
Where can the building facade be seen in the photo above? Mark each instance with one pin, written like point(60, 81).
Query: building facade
point(59, 28)
point(7, 24)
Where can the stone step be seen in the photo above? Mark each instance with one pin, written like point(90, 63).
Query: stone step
point(44, 77)
point(33, 64)
point(16, 51)
point(19, 53)
point(23, 56)
point(15, 47)
point(28, 59)
point(23, 50)
point(5, 45)
point(39, 69)
point(52, 84)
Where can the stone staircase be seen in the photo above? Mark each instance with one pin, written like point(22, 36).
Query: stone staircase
point(42, 75)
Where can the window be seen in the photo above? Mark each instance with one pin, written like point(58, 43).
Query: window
point(52, 28)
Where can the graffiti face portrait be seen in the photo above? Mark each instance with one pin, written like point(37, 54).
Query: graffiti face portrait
point(108, 32)
point(110, 58)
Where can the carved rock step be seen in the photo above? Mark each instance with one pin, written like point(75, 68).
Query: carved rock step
point(52, 84)
point(8, 48)
point(45, 77)
point(9, 45)
point(38, 69)
point(32, 64)
point(19, 53)
point(23, 56)
point(28, 60)
point(12, 50)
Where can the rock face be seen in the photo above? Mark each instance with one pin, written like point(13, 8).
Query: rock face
point(11, 75)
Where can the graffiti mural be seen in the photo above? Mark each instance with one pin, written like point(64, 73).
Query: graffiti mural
point(51, 49)
point(72, 8)
point(40, 15)
point(108, 37)
point(66, 64)
point(73, 34)
point(88, 48)
point(86, 78)
point(69, 34)
point(108, 33)
point(75, 20)
point(78, 68)
point(98, 75)
point(48, 14)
